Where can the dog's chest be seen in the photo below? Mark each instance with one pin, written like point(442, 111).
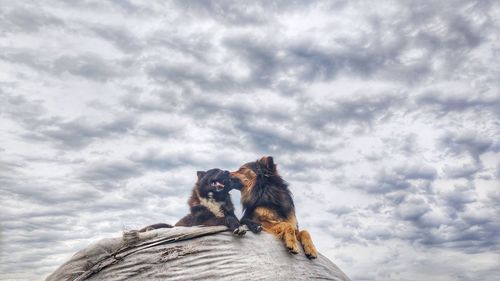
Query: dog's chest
point(213, 206)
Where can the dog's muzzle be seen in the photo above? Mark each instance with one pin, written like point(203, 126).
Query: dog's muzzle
point(218, 186)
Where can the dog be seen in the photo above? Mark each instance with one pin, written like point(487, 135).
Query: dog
point(268, 205)
point(210, 202)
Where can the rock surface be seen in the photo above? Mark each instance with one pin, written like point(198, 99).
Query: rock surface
point(193, 253)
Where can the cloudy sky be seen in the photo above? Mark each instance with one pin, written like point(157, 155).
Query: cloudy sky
point(384, 119)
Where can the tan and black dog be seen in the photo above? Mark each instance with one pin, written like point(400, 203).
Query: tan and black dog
point(268, 205)
point(210, 203)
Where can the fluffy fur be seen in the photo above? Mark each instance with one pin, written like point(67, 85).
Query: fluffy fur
point(268, 205)
point(210, 203)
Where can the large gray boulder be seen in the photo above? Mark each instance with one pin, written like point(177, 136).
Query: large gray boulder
point(193, 253)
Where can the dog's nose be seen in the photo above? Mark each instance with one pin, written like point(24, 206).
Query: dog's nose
point(235, 183)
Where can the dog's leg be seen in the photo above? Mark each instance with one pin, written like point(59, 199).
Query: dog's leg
point(246, 220)
point(233, 224)
point(309, 249)
point(286, 232)
point(290, 239)
point(253, 226)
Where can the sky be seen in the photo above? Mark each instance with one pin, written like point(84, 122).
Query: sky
point(383, 116)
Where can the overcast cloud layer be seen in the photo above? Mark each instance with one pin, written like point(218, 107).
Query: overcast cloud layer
point(384, 119)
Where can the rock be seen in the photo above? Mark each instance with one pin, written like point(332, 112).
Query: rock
point(193, 253)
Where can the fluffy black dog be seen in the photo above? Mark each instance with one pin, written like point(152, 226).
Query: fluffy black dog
point(210, 202)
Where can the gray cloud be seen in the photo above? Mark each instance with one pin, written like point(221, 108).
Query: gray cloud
point(86, 65)
point(399, 178)
point(417, 172)
point(458, 101)
point(188, 76)
point(121, 38)
point(463, 171)
point(78, 132)
point(162, 130)
point(226, 12)
point(412, 209)
point(89, 66)
point(197, 46)
point(73, 133)
point(268, 140)
point(342, 210)
point(26, 19)
point(358, 109)
point(470, 142)
point(151, 159)
point(460, 196)
point(110, 172)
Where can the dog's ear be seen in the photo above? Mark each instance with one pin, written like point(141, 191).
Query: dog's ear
point(200, 174)
point(267, 162)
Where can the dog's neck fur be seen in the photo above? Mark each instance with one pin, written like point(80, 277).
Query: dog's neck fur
point(270, 191)
point(212, 205)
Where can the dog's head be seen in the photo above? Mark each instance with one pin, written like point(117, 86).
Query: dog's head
point(254, 174)
point(216, 184)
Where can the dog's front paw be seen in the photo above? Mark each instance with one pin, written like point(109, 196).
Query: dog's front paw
point(254, 227)
point(234, 225)
point(292, 247)
point(240, 231)
point(311, 255)
point(307, 244)
point(309, 249)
